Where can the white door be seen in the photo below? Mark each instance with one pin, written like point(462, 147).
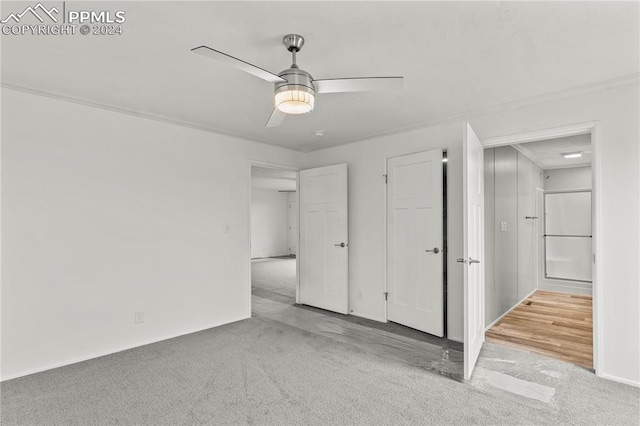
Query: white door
point(473, 260)
point(293, 227)
point(323, 250)
point(414, 241)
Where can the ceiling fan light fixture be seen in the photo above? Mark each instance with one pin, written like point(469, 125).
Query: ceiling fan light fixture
point(294, 99)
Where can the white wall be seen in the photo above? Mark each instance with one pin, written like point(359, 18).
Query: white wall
point(106, 214)
point(615, 109)
point(269, 223)
point(511, 180)
point(506, 242)
point(570, 178)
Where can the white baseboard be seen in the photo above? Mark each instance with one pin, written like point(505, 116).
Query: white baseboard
point(109, 352)
point(619, 380)
point(456, 339)
point(510, 309)
point(566, 287)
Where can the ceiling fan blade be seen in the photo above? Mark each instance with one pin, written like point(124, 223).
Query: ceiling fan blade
point(277, 117)
point(367, 84)
point(238, 63)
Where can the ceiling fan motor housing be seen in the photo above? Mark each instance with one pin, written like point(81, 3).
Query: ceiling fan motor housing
point(296, 77)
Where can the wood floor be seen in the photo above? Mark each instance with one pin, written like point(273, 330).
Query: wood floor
point(558, 325)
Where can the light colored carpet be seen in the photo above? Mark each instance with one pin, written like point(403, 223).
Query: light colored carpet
point(274, 278)
point(269, 371)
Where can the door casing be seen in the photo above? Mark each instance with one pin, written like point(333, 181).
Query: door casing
point(592, 128)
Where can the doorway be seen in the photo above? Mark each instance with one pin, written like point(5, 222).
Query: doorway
point(539, 246)
point(274, 234)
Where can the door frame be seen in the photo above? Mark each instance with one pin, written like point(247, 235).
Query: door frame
point(592, 128)
point(291, 237)
point(268, 165)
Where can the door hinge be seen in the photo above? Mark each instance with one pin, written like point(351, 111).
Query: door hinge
point(385, 178)
point(386, 295)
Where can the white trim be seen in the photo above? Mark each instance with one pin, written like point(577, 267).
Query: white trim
point(385, 188)
point(524, 151)
point(560, 286)
point(270, 165)
point(510, 309)
point(593, 128)
point(620, 380)
point(540, 135)
point(120, 349)
point(596, 222)
point(567, 166)
point(507, 106)
point(145, 115)
point(298, 242)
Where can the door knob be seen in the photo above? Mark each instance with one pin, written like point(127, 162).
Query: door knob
point(340, 245)
point(473, 261)
point(435, 250)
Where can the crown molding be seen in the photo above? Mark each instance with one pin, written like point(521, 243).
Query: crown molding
point(467, 115)
point(598, 86)
point(111, 108)
point(524, 151)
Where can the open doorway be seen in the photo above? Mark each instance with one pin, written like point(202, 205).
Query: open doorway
point(274, 233)
point(539, 247)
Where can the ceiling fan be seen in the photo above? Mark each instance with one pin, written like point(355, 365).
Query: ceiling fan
point(296, 89)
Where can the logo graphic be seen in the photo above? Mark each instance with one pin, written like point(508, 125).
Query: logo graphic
point(34, 11)
point(40, 20)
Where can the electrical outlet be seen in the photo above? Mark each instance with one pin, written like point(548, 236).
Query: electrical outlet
point(138, 317)
point(227, 228)
point(503, 226)
point(359, 295)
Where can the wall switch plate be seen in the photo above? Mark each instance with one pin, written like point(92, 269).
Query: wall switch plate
point(503, 226)
point(138, 317)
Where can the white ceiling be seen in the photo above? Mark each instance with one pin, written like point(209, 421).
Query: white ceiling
point(456, 57)
point(548, 153)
